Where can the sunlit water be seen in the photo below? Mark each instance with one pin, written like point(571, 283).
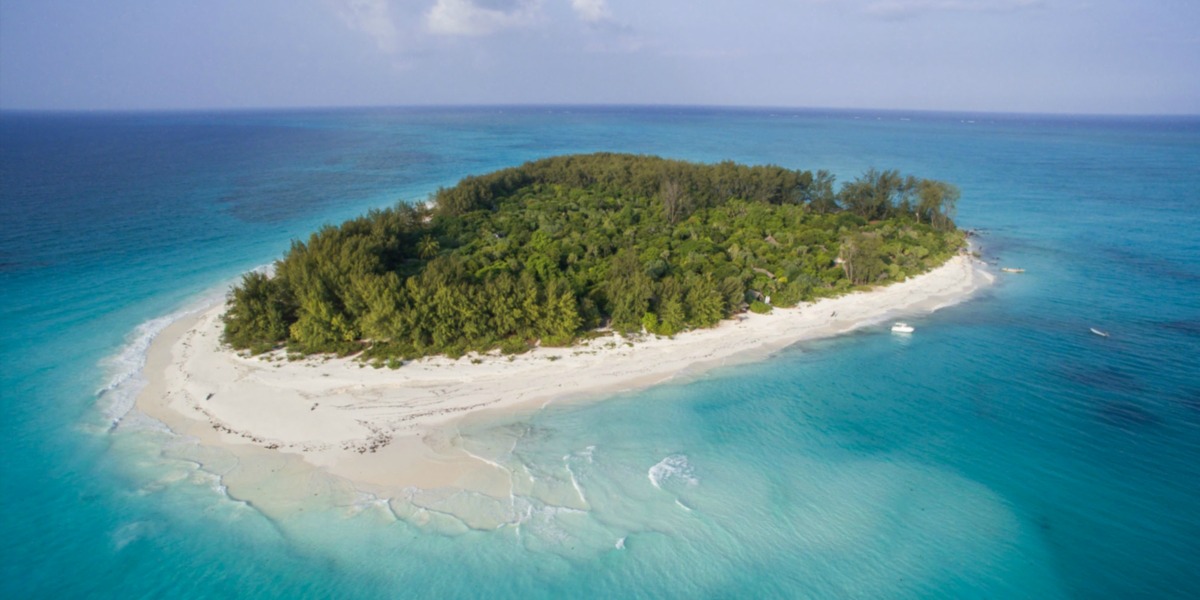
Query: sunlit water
point(1001, 451)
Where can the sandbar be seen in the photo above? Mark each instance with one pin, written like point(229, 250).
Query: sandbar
point(386, 430)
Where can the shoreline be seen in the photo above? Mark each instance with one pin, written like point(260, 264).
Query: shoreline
point(384, 431)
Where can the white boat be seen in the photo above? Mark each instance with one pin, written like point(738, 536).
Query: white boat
point(1012, 270)
point(1098, 332)
point(899, 327)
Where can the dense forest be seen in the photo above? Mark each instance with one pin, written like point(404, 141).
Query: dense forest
point(549, 251)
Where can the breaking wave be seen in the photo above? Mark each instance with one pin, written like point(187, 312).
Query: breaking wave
point(675, 466)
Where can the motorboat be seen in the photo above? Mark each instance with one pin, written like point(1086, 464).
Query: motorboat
point(1012, 270)
point(899, 327)
point(1098, 332)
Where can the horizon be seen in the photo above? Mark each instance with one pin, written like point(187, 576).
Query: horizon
point(588, 106)
point(1053, 57)
point(1035, 435)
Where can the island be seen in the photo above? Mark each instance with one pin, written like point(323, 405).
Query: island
point(549, 252)
point(565, 278)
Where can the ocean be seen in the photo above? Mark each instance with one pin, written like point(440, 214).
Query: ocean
point(1002, 451)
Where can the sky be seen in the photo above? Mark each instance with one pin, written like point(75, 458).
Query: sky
point(1042, 56)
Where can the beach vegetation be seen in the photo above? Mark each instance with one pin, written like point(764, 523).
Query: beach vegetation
point(548, 252)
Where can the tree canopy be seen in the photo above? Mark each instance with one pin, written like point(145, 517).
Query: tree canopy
point(545, 252)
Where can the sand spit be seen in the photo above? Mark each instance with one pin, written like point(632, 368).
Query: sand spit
point(387, 429)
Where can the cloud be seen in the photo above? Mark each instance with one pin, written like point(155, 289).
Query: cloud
point(592, 11)
point(371, 17)
point(903, 9)
point(480, 17)
point(399, 33)
point(605, 33)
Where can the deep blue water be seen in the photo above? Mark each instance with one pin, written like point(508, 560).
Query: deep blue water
point(1002, 452)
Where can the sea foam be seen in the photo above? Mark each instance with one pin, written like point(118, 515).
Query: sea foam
point(125, 368)
point(126, 380)
point(674, 466)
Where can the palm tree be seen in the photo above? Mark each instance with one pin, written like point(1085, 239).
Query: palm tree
point(428, 247)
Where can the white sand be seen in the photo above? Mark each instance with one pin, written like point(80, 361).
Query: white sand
point(386, 429)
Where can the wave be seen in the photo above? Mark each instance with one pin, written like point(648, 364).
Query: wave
point(215, 482)
point(575, 482)
point(366, 501)
point(675, 466)
point(126, 380)
point(125, 368)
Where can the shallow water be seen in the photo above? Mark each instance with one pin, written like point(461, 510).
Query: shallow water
point(1001, 451)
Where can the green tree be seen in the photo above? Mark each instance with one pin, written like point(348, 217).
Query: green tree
point(259, 313)
point(560, 317)
point(547, 249)
point(428, 247)
point(861, 256)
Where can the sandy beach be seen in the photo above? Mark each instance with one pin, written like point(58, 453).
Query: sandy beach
point(386, 429)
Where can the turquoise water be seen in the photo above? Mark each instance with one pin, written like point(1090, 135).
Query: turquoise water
point(1001, 452)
